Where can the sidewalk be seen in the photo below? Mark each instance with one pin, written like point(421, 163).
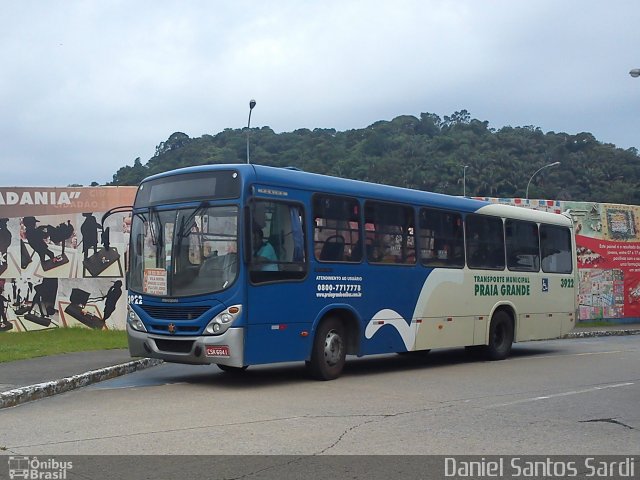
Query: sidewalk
point(25, 380)
point(609, 330)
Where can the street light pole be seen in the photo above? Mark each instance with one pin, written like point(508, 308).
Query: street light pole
point(252, 104)
point(534, 174)
point(464, 180)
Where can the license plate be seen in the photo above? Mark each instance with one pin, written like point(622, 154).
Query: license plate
point(217, 351)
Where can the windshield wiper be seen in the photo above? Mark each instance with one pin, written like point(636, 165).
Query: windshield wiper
point(181, 233)
point(156, 236)
point(153, 214)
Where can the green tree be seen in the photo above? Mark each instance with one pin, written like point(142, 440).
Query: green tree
point(424, 152)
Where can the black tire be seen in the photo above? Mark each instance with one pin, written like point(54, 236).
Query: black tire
point(230, 369)
point(329, 350)
point(500, 336)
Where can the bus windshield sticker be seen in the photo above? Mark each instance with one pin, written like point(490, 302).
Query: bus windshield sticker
point(155, 281)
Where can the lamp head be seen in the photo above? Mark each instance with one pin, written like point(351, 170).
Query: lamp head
point(252, 104)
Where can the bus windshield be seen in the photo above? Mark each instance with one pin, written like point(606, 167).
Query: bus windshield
point(184, 252)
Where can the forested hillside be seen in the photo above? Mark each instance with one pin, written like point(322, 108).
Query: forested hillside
point(426, 153)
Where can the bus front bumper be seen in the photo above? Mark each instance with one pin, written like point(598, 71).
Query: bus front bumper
point(225, 349)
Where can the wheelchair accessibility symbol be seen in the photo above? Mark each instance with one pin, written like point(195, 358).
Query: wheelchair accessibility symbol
point(545, 285)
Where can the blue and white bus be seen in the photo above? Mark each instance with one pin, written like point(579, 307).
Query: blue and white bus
point(241, 265)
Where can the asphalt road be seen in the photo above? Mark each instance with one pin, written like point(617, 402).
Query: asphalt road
point(578, 396)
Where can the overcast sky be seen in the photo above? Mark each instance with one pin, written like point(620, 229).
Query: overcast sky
point(88, 86)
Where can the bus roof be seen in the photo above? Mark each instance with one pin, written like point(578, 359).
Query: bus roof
point(313, 182)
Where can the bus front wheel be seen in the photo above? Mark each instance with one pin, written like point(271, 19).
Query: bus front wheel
point(329, 350)
point(500, 336)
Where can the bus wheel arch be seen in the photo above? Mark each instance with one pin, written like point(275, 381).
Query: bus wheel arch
point(501, 333)
point(334, 337)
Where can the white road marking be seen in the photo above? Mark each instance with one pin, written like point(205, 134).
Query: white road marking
point(563, 394)
point(542, 357)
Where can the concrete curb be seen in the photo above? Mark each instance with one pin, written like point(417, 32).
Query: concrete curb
point(602, 333)
point(21, 395)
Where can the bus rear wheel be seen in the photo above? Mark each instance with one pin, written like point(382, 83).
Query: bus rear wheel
point(500, 336)
point(329, 350)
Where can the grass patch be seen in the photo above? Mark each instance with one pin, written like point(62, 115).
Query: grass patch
point(595, 323)
point(23, 345)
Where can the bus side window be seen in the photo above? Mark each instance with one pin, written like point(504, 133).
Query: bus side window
point(555, 245)
point(485, 242)
point(441, 238)
point(393, 233)
point(523, 250)
point(336, 229)
point(276, 242)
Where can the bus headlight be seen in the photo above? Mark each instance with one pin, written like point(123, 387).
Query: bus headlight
point(223, 320)
point(134, 321)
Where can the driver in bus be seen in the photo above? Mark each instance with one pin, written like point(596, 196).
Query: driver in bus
point(263, 252)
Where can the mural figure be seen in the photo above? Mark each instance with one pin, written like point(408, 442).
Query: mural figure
point(45, 298)
point(17, 299)
point(5, 325)
point(36, 238)
point(89, 230)
point(111, 299)
point(14, 288)
point(5, 241)
point(76, 309)
point(29, 290)
point(104, 258)
point(60, 234)
point(25, 257)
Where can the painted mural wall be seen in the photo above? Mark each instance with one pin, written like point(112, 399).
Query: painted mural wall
point(58, 267)
point(608, 243)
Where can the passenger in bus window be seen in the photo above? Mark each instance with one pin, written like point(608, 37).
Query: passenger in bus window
point(263, 253)
point(443, 250)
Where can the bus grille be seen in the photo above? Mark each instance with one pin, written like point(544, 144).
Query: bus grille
point(174, 346)
point(174, 313)
point(178, 329)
